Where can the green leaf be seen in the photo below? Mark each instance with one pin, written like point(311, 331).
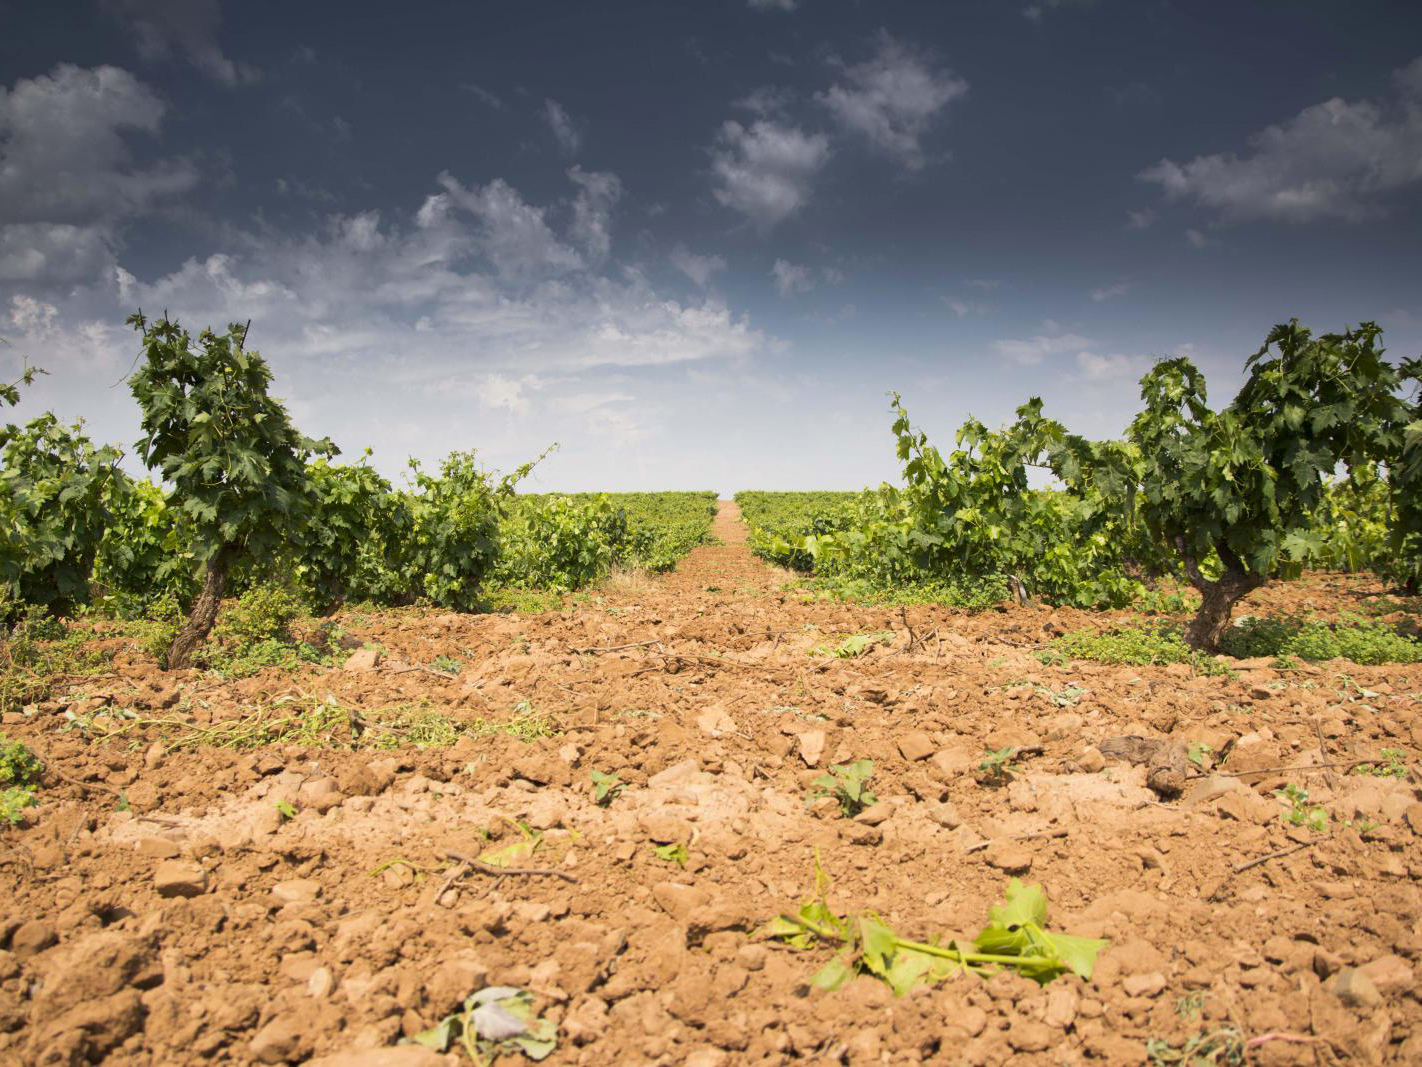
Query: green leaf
point(514, 853)
point(1078, 953)
point(833, 974)
point(1022, 904)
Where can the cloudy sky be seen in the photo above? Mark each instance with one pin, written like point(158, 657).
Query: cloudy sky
point(697, 242)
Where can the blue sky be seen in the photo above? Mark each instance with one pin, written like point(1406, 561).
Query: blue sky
point(698, 243)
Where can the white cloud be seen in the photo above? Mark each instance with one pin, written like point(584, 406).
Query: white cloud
point(501, 391)
point(598, 193)
point(986, 284)
point(1102, 368)
point(767, 101)
point(565, 131)
point(964, 308)
point(791, 278)
point(493, 100)
point(1034, 349)
point(773, 5)
point(497, 295)
point(698, 268)
point(516, 238)
point(1196, 239)
point(48, 252)
point(66, 178)
point(62, 153)
point(892, 99)
point(1140, 220)
point(1331, 160)
point(181, 29)
point(765, 171)
point(1110, 292)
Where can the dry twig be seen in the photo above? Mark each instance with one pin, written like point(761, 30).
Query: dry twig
point(1043, 835)
point(504, 872)
point(1277, 855)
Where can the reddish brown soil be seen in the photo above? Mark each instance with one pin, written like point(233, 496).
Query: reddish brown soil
point(291, 948)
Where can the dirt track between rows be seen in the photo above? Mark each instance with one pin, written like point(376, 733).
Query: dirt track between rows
point(699, 688)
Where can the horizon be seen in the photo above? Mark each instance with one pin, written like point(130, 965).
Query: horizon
point(700, 247)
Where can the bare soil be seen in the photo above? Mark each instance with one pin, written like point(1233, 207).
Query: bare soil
point(201, 925)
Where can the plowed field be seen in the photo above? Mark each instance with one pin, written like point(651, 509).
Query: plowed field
point(308, 898)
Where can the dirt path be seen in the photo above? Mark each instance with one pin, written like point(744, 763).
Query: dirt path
point(203, 925)
point(725, 566)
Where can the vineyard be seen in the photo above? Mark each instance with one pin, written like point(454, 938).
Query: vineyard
point(1057, 751)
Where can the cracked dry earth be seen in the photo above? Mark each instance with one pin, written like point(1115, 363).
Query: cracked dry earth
point(200, 925)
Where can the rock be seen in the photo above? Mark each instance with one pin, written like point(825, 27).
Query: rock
point(393, 1056)
point(179, 878)
point(1413, 817)
point(875, 814)
point(1025, 1035)
point(945, 815)
point(1011, 736)
point(1248, 807)
point(319, 794)
point(1254, 752)
point(87, 1032)
point(678, 773)
point(143, 797)
point(1260, 692)
point(1168, 776)
point(706, 1057)
point(916, 745)
point(1212, 788)
point(158, 848)
point(320, 982)
point(285, 1038)
point(296, 891)
point(1355, 989)
point(716, 721)
point(30, 938)
point(362, 661)
point(856, 833)
point(697, 909)
point(1063, 1001)
point(664, 829)
point(678, 900)
point(1091, 760)
point(545, 813)
point(812, 747)
point(1144, 985)
point(1389, 974)
point(950, 762)
point(1008, 857)
point(452, 982)
point(368, 779)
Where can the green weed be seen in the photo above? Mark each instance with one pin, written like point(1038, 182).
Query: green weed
point(1136, 647)
point(848, 784)
point(14, 801)
point(1298, 637)
point(606, 788)
point(1394, 767)
point(1300, 812)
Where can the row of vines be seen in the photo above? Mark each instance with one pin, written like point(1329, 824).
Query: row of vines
point(1317, 462)
point(242, 498)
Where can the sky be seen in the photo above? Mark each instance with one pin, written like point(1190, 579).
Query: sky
point(698, 243)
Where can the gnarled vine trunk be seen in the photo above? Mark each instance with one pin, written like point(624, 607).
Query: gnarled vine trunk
point(1217, 599)
point(204, 612)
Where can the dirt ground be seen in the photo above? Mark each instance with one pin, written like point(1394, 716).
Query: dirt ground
point(201, 924)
